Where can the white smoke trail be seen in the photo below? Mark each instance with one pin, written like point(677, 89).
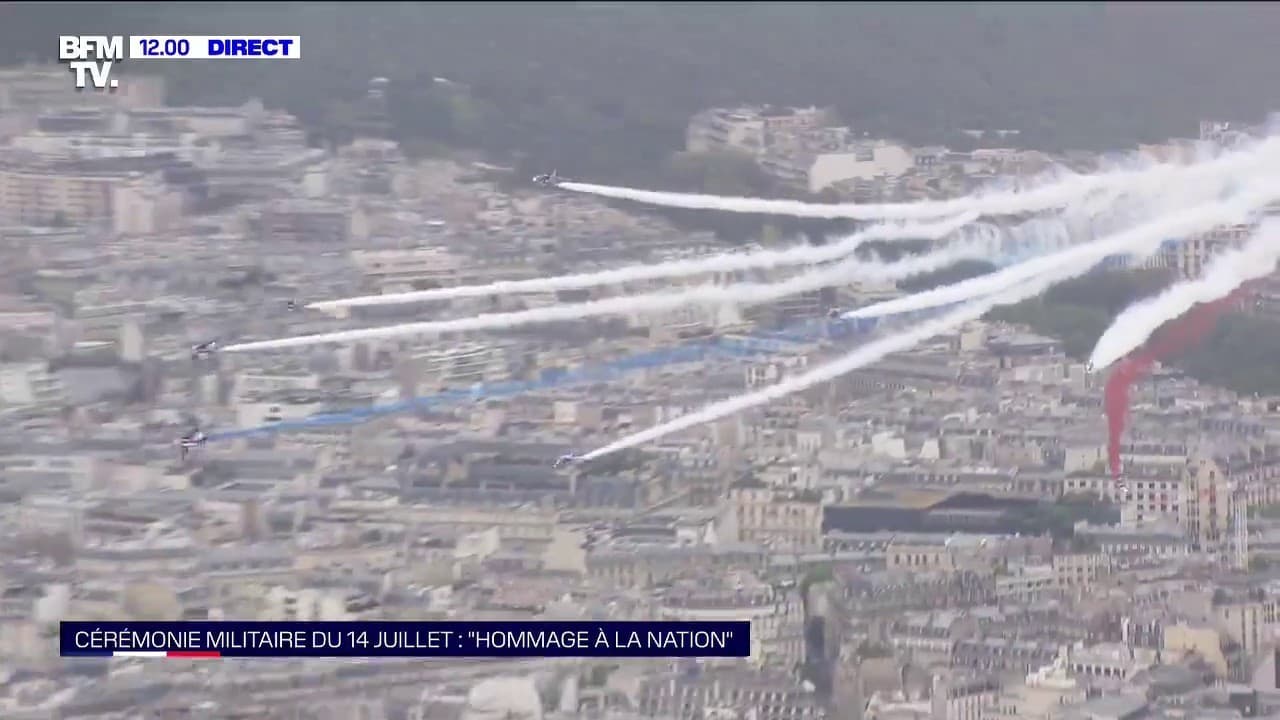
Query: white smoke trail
point(1008, 294)
point(720, 262)
point(1094, 205)
point(862, 356)
point(1257, 258)
point(1056, 194)
point(1136, 242)
point(1095, 208)
point(743, 293)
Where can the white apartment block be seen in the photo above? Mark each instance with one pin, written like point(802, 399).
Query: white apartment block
point(747, 129)
point(29, 384)
point(399, 269)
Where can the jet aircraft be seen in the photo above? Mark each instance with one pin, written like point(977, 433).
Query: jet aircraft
point(550, 179)
point(204, 349)
point(195, 438)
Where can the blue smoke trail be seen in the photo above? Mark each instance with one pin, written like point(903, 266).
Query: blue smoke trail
point(750, 346)
point(768, 343)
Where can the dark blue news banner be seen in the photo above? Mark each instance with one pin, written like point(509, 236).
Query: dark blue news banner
point(406, 639)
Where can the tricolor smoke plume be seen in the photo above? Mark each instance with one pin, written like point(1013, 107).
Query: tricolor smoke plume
point(1257, 258)
point(1007, 294)
point(1052, 195)
point(1196, 219)
point(720, 262)
point(839, 273)
point(1179, 335)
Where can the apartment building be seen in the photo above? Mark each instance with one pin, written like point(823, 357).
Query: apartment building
point(30, 384)
point(815, 166)
point(457, 365)
point(747, 129)
point(1206, 499)
point(38, 192)
point(782, 520)
point(304, 221)
point(401, 268)
point(1189, 256)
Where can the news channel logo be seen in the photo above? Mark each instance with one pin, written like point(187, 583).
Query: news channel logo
point(93, 58)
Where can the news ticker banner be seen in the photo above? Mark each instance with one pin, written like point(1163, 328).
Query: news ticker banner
point(92, 57)
point(406, 639)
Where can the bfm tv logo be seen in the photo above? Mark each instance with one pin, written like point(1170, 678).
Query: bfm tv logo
point(91, 58)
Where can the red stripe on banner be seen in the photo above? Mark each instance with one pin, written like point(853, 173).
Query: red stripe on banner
point(193, 654)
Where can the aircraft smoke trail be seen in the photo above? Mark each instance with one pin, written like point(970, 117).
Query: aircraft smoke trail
point(751, 346)
point(860, 357)
point(1184, 332)
point(1255, 259)
point(1055, 194)
point(1192, 220)
point(742, 293)
point(1093, 211)
point(871, 352)
point(1138, 242)
point(720, 262)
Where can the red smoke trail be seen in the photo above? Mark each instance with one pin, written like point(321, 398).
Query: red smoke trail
point(1174, 338)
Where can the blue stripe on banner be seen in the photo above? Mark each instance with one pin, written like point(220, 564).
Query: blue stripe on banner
point(412, 639)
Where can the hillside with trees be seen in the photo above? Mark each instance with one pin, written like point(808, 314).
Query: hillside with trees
point(604, 90)
point(1240, 354)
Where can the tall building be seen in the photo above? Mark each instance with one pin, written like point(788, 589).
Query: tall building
point(371, 117)
point(1190, 255)
point(1205, 504)
point(1239, 529)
